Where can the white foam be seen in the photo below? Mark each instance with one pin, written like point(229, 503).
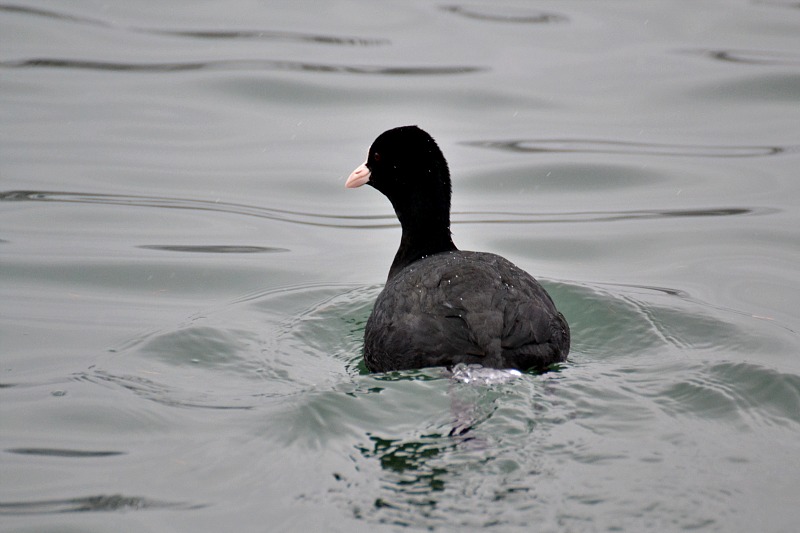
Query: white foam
point(464, 373)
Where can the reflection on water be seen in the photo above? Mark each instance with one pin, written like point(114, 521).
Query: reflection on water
point(410, 461)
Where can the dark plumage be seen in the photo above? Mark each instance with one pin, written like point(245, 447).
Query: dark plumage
point(442, 306)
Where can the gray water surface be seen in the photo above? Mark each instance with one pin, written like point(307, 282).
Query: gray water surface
point(184, 280)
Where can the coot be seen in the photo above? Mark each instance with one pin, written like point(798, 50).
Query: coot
point(442, 306)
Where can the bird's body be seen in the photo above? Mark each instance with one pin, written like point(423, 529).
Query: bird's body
point(463, 307)
point(442, 306)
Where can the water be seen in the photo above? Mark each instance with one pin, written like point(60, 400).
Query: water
point(185, 280)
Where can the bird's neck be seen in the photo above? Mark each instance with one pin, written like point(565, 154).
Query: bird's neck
point(421, 240)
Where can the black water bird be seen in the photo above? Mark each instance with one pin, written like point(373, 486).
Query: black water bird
point(442, 306)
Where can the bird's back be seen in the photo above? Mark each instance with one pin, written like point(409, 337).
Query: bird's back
point(469, 307)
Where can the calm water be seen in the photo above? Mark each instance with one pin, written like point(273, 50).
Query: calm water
point(185, 280)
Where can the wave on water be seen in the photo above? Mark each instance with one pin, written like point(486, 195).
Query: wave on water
point(221, 64)
point(102, 503)
point(240, 34)
point(237, 64)
point(751, 57)
point(64, 452)
point(214, 248)
point(495, 13)
point(593, 146)
point(358, 221)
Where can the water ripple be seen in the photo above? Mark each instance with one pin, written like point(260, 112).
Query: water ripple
point(751, 57)
point(632, 289)
point(267, 346)
point(266, 35)
point(213, 249)
point(640, 353)
point(165, 394)
point(735, 391)
point(297, 217)
point(496, 15)
point(488, 217)
point(200, 34)
point(361, 221)
point(237, 64)
point(62, 452)
point(590, 146)
point(114, 502)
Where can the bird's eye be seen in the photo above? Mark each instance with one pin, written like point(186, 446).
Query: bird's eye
point(376, 157)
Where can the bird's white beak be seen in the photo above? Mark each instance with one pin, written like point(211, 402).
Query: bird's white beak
point(359, 177)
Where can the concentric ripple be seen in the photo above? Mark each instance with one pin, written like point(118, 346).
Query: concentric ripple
point(292, 355)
